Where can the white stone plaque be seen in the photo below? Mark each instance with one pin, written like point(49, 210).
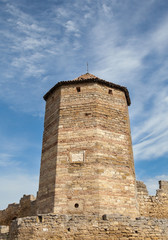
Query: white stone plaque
point(77, 157)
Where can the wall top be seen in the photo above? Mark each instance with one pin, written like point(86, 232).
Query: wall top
point(90, 78)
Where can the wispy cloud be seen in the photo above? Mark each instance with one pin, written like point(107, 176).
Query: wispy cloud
point(124, 42)
point(150, 136)
point(12, 148)
point(15, 175)
point(116, 47)
point(5, 159)
point(71, 26)
point(13, 187)
point(127, 60)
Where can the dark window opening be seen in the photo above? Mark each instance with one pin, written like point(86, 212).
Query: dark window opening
point(105, 229)
point(104, 217)
point(87, 114)
point(40, 219)
point(69, 229)
point(110, 91)
point(78, 89)
point(76, 205)
point(14, 218)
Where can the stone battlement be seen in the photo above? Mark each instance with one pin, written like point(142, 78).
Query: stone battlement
point(26, 207)
point(153, 206)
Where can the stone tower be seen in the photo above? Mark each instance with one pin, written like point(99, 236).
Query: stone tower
point(87, 164)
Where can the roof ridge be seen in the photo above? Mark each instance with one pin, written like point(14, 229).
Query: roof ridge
point(86, 76)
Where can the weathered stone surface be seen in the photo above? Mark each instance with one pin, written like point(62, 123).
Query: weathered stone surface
point(4, 232)
point(87, 186)
point(91, 227)
point(26, 207)
point(87, 155)
point(153, 206)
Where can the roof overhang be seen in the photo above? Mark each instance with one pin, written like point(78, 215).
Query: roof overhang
point(91, 80)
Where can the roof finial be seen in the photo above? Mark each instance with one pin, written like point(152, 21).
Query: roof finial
point(87, 68)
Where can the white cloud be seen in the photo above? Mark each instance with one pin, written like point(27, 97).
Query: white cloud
point(14, 186)
point(62, 12)
point(150, 137)
point(12, 148)
point(106, 8)
point(29, 27)
point(5, 159)
point(71, 26)
point(31, 43)
point(125, 63)
point(115, 48)
point(14, 176)
point(160, 36)
point(40, 51)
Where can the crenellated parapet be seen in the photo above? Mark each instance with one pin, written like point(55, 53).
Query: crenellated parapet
point(26, 207)
point(153, 206)
point(163, 188)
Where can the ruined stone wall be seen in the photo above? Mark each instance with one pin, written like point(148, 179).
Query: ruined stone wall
point(79, 227)
point(149, 206)
point(87, 162)
point(26, 207)
point(153, 206)
point(4, 232)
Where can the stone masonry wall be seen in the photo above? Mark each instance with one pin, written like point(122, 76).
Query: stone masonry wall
point(4, 232)
point(149, 206)
point(87, 172)
point(153, 206)
point(26, 207)
point(79, 227)
point(87, 162)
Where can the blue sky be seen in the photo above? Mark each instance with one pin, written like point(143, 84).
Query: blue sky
point(46, 41)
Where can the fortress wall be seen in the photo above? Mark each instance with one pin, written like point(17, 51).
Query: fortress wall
point(80, 227)
point(4, 231)
point(153, 206)
point(26, 207)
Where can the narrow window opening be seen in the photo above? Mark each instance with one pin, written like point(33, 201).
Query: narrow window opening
point(110, 91)
point(76, 205)
point(78, 89)
point(69, 229)
point(105, 229)
point(87, 114)
point(104, 217)
point(40, 219)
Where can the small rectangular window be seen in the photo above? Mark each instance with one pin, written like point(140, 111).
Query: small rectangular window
point(87, 114)
point(40, 219)
point(78, 89)
point(110, 91)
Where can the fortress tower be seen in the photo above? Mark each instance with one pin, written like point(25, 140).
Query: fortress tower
point(87, 164)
